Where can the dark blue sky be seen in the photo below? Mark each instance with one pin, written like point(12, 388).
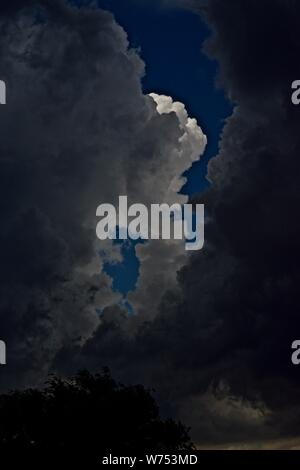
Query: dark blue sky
point(170, 41)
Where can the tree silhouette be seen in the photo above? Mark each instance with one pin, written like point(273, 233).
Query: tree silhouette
point(87, 416)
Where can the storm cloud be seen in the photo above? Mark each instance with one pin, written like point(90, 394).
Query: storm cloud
point(219, 351)
point(77, 131)
point(212, 331)
point(240, 303)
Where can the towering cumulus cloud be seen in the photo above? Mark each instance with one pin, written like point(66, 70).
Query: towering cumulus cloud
point(220, 348)
point(212, 331)
point(77, 131)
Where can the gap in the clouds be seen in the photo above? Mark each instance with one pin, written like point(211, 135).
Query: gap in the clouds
point(170, 42)
point(125, 273)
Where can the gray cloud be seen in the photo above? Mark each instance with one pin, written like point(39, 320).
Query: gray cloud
point(234, 314)
point(77, 131)
point(247, 308)
point(216, 345)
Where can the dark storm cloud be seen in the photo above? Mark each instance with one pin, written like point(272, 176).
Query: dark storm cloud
point(254, 201)
point(220, 349)
point(77, 131)
point(48, 166)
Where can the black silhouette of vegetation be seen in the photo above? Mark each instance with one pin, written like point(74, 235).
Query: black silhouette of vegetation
point(87, 415)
